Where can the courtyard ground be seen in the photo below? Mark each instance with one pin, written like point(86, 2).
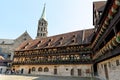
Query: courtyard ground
point(28, 77)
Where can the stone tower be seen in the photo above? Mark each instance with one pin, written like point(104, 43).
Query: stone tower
point(42, 26)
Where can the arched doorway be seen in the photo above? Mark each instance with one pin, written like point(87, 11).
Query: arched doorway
point(72, 72)
point(40, 69)
point(29, 71)
point(46, 69)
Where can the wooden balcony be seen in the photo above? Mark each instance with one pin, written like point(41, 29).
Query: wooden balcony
point(53, 51)
point(108, 54)
point(80, 61)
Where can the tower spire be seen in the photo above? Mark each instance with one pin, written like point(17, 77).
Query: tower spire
point(42, 25)
point(43, 16)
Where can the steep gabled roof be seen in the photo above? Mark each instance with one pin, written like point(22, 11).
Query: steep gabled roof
point(99, 4)
point(23, 35)
point(67, 39)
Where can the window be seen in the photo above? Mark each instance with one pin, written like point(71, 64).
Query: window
point(50, 40)
point(37, 34)
point(38, 28)
point(9, 56)
point(117, 62)
point(3, 42)
point(73, 41)
point(74, 36)
point(40, 69)
point(61, 38)
point(79, 72)
point(41, 34)
point(87, 70)
point(41, 29)
point(46, 69)
point(66, 69)
point(24, 39)
point(109, 64)
point(33, 68)
point(41, 24)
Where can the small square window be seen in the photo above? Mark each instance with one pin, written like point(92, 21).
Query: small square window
point(66, 69)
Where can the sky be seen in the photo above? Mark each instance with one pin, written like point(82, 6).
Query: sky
point(63, 16)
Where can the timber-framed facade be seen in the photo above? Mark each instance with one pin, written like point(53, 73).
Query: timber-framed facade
point(65, 54)
point(78, 53)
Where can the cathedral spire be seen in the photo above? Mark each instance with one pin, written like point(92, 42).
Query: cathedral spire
point(42, 25)
point(43, 16)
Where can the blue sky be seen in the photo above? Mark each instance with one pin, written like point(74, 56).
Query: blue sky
point(17, 16)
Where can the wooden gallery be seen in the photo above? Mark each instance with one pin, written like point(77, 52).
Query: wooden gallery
point(79, 53)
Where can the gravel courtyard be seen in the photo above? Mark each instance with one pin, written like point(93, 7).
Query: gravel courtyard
point(23, 77)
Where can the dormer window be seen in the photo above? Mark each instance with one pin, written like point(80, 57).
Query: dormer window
point(73, 41)
point(47, 44)
point(38, 45)
point(74, 35)
point(50, 40)
point(25, 47)
point(61, 38)
point(39, 42)
point(60, 43)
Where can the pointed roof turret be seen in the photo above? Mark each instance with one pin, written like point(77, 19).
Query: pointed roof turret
point(43, 16)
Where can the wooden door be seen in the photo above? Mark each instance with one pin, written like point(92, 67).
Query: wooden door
point(55, 71)
point(106, 71)
point(22, 70)
point(29, 71)
point(72, 72)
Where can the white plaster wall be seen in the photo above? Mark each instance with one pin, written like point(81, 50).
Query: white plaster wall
point(113, 69)
point(62, 70)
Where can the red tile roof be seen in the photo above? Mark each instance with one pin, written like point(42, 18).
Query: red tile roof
point(67, 39)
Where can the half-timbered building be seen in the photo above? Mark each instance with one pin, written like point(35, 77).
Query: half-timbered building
point(78, 53)
point(106, 43)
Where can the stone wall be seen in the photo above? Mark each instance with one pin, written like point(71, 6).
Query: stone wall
point(82, 70)
point(110, 68)
point(9, 46)
point(2, 69)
